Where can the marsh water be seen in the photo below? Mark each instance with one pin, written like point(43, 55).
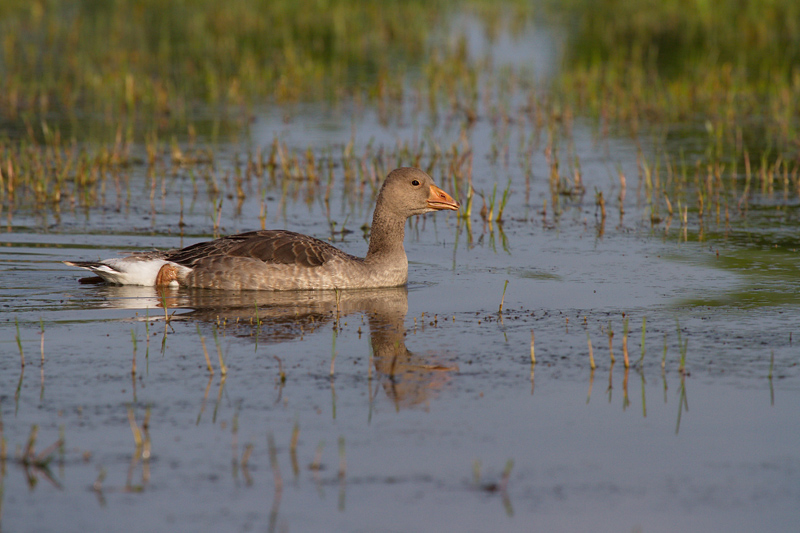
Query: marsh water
point(409, 409)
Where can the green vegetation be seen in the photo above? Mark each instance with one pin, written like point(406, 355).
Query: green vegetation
point(733, 63)
point(654, 60)
point(113, 58)
point(707, 88)
point(679, 39)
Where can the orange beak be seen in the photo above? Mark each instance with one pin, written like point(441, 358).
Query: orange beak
point(438, 199)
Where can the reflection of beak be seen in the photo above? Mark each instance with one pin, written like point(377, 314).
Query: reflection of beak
point(438, 199)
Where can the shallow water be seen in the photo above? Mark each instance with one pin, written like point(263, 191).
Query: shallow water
point(409, 404)
point(607, 450)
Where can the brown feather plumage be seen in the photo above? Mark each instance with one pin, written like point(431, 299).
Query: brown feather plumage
point(269, 246)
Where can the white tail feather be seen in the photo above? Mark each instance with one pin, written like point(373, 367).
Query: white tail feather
point(129, 270)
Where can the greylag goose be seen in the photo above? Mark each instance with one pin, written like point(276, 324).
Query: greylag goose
point(283, 260)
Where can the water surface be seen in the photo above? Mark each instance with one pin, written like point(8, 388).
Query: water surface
point(400, 409)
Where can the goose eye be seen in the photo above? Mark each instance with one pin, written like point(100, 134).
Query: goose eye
point(415, 183)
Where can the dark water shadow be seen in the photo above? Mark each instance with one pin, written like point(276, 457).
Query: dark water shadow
point(408, 378)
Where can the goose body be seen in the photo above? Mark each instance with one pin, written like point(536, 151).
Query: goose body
point(284, 260)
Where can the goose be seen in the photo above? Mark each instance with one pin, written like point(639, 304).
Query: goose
point(277, 260)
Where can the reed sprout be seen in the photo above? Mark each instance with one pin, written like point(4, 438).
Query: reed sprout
point(611, 344)
point(223, 370)
point(273, 462)
point(342, 459)
point(205, 351)
point(625, 343)
point(293, 448)
point(133, 360)
point(503, 298)
point(19, 344)
point(771, 364)
point(533, 353)
point(281, 373)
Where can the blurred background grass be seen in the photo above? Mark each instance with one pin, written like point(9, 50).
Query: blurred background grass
point(92, 54)
point(759, 40)
point(671, 59)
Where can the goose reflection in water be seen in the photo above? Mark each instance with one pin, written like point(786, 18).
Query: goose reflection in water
point(408, 379)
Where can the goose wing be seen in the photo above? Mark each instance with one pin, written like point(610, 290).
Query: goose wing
point(270, 246)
